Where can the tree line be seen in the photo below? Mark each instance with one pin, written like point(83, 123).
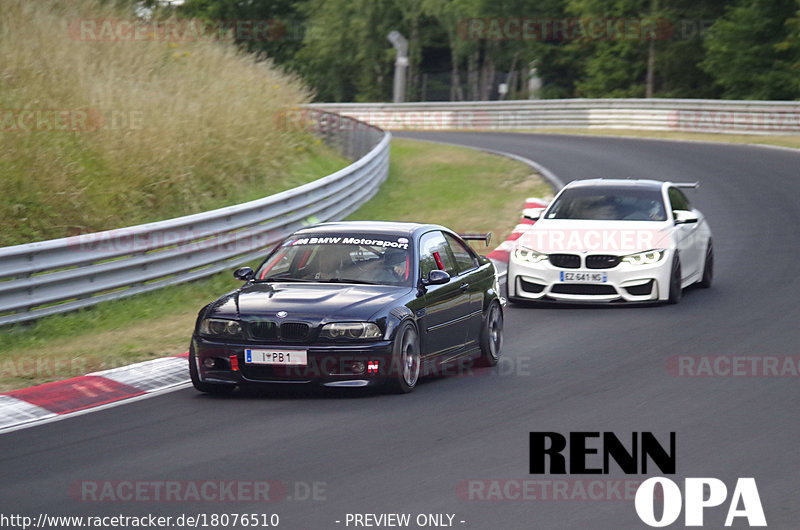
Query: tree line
point(466, 49)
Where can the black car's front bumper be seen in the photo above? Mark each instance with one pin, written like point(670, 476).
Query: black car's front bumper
point(329, 364)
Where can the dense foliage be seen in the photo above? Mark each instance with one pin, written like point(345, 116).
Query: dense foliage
point(463, 49)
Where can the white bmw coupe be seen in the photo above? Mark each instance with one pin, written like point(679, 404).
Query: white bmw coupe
point(612, 240)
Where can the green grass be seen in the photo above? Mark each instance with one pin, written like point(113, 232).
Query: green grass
point(461, 188)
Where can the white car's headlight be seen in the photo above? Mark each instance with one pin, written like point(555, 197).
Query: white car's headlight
point(644, 258)
point(350, 331)
point(529, 255)
point(218, 327)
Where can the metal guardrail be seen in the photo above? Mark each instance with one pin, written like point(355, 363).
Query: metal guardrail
point(687, 115)
point(48, 277)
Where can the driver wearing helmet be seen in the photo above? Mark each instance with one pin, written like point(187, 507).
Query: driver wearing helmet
point(329, 263)
point(394, 267)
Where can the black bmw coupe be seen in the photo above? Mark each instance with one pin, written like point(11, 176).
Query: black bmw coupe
point(352, 304)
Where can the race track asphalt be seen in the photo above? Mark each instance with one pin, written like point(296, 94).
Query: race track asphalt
point(564, 370)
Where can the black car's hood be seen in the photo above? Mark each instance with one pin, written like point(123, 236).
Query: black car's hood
point(314, 302)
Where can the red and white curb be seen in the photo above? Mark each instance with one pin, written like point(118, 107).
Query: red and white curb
point(50, 401)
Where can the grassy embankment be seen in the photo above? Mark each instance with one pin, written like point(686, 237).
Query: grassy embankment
point(163, 128)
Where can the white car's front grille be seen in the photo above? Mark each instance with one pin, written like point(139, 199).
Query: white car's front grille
point(602, 261)
point(565, 261)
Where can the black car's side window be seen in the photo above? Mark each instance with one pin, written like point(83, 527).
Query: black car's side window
point(434, 254)
point(678, 200)
point(465, 260)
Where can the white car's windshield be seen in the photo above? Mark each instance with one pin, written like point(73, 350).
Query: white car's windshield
point(611, 204)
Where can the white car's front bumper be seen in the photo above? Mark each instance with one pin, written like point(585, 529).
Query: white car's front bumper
point(623, 282)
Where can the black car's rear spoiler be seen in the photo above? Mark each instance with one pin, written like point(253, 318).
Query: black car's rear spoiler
point(693, 185)
point(487, 237)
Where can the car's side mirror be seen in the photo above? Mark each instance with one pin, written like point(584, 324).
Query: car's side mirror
point(534, 214)
point(436, 277)
point(684, 217)
point(244, 273)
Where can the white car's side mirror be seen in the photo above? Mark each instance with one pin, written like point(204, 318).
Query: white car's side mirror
point(534, 214)
point(684, 217)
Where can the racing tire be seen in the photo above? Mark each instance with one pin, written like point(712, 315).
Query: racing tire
point(208, 388)
point(406, 360)
point(675, 290)
point(491, 336)
point(708, 267)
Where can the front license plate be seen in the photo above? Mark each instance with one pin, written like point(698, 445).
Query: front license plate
point(583, 277)
point(279, 357)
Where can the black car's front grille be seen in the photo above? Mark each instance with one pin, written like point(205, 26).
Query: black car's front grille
point(602, 261)
point(264, 330)
point(294, 331)
point(582, 288)
point(288, 331)
point(565, 261)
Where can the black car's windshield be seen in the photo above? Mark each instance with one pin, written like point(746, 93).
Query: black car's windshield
point(610, 204)
point(336, 258)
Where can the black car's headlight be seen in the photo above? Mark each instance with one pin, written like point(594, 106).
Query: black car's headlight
point(644, 258)
point(351, 331)
point(219, 327)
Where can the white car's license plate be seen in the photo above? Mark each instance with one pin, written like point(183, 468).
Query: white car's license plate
point(279, 357)
point(583, 277)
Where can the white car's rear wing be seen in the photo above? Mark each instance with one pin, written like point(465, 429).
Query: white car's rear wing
point(693, 185)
